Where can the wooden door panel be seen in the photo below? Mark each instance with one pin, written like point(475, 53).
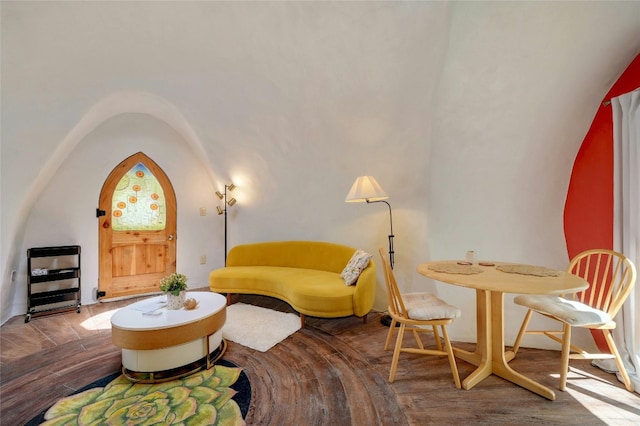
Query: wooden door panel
point(133, 261)
point(125, 286)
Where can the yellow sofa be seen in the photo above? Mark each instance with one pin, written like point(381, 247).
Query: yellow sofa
point(305, 274)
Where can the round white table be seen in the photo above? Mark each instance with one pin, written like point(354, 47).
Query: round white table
point(159, 344)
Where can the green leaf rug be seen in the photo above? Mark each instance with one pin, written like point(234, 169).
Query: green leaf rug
point(203, 398)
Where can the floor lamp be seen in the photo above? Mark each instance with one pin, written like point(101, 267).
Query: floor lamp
point(367, 189)
point(223, 210)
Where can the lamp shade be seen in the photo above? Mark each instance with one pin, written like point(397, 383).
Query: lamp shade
point(365, 188)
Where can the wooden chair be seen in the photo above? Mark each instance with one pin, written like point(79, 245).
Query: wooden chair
point(611, 276)
point(413, 312)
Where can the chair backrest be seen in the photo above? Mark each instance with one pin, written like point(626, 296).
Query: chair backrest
point(611, 277)
point(396, 306)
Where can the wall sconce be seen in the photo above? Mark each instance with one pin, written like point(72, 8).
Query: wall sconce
point(223, 210)
point(367, 189)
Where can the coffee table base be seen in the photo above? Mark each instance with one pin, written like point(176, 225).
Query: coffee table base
point(178, 372)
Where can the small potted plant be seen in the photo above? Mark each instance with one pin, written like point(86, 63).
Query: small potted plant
point(174, 286)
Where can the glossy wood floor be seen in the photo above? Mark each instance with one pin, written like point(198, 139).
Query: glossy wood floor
point(333, 372)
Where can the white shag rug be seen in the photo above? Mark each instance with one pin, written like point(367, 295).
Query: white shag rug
point(258, 328)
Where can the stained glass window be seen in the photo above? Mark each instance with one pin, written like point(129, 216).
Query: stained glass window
point(138, 202)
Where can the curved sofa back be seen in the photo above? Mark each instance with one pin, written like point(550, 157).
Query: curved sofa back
point(317, 255)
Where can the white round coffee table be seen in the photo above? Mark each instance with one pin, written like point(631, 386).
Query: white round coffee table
point(159, 344)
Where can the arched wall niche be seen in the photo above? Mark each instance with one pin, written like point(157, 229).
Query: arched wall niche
point(118, 103)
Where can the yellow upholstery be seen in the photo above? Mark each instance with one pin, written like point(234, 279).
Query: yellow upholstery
point(305, 274)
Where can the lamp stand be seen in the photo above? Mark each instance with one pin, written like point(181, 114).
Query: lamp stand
point(225, 225)
point(391, 252)
point(231, 202)
point(386, 319)
point(366, 188)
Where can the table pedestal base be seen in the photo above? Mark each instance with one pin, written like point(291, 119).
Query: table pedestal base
point(500, 368)
point(490, 356)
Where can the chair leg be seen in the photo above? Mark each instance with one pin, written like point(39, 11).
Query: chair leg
point(566, 350)
point(522, 332)
point(452, 358)
point(437, 337)
point(396, 353)
point(614, 350)
point(392, 326)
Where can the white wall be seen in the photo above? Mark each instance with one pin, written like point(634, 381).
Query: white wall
point(468, 114)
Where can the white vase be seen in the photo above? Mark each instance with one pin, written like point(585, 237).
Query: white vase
point(175, 302)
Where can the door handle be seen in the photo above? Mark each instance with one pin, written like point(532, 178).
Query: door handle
point(171, 237)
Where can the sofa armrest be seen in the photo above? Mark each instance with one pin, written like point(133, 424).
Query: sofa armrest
point(365, 291)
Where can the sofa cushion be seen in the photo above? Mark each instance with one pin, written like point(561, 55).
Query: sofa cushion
point(319, 255)
point(355, 266)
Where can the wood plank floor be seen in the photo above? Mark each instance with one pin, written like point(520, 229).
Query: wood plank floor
point(333, 372)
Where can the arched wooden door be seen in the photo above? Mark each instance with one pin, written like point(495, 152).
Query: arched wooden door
point(137, 228)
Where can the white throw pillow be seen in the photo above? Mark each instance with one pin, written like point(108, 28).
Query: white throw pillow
point(356, 265)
